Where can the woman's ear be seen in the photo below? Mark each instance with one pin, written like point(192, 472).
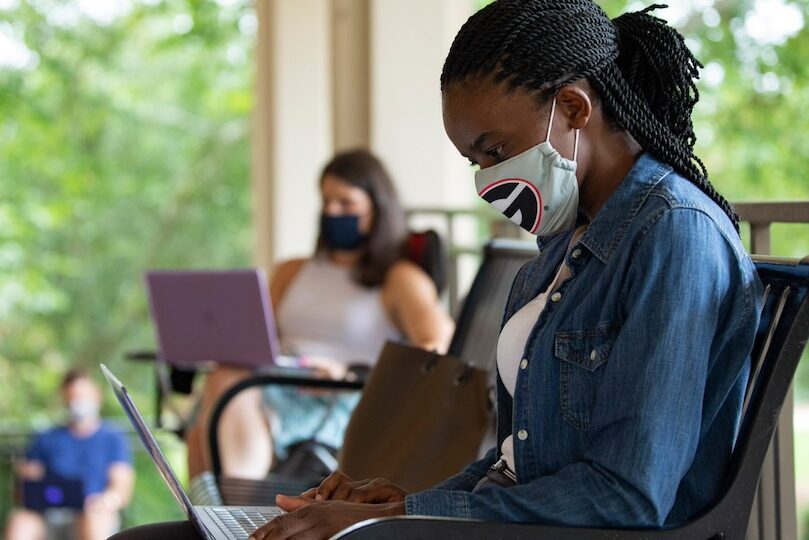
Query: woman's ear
point(574, 102)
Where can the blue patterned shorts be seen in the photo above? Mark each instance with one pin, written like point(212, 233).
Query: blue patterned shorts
point(297, 414)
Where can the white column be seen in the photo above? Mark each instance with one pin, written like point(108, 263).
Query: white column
point(409, 41)
point(351, 74)
point(293, 124)
point(261, 172)
point(343, 73)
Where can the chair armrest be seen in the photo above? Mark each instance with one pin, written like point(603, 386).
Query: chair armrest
point(418, 527)
point(141, 356)
point(265, 380)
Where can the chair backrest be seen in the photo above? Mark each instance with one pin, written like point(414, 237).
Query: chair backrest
point(780, 340)
point(478, 325)
point(426, 249)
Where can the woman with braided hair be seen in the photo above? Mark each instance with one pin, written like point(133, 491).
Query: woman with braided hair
point(624, 354)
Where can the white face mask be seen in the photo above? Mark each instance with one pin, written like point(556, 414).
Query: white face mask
point(82, 410)
point(537, 189)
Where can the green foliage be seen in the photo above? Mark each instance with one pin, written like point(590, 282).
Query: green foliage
point(804, 525)
point(152, 500)
point(125, 148)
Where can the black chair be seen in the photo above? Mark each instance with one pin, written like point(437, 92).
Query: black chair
point(781, 338)
point(478, 324)
point(427, 249)
point(474, 340)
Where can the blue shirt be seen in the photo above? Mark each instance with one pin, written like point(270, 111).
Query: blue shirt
point(627, 410)
point(87, 459)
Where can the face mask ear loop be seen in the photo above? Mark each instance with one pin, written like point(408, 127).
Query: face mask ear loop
point(575, 144)
point(550, 121)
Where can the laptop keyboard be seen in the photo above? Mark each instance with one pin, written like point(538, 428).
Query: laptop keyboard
point(241, 522)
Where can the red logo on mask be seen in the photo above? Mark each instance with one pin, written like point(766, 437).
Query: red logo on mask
point(518, 199)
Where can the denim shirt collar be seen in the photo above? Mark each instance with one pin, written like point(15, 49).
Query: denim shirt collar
point(614, 218)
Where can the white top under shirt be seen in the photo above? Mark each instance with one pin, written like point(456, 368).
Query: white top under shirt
point(514, 336)
point(326, 313)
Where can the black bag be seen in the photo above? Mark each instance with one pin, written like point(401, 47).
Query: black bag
point(308, 461)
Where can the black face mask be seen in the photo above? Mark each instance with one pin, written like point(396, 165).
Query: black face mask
point(341, 233)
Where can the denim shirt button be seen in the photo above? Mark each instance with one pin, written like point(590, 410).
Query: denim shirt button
point(555, 297)
point(593, 354)
point(522, 434)
point(524, 363)
point(576, 253)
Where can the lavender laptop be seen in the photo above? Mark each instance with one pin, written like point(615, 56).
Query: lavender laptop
point(221, 316)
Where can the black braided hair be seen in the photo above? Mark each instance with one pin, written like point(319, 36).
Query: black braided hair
point(640, 67)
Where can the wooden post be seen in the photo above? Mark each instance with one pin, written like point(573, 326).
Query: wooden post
point(351, 74)
point(774, 515)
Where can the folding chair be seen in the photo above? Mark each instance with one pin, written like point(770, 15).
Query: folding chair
point(781, 338)
point(474, 340)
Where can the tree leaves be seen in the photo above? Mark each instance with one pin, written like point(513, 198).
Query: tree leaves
point(124, 148)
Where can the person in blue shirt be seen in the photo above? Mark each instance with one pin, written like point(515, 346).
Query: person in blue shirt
point(85, 449)
point(624, 353)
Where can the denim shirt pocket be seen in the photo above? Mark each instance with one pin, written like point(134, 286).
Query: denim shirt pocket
point(581, 355)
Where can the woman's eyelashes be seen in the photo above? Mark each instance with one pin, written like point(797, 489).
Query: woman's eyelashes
point(496, 152)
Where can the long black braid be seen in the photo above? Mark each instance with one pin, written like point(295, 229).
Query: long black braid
point(640, 67)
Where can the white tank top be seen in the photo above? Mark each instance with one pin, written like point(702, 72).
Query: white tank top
point(326, 313)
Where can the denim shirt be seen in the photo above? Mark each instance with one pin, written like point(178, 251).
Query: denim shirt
point(627, 410)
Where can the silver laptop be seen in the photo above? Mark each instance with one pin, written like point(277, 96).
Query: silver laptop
point(209, 315)
point(212, 522)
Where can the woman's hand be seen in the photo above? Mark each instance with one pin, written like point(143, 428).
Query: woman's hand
point(341, 487)
point(311, 520)
point(326, 368)
point(322, 368)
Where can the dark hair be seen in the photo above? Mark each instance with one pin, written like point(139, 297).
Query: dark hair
point(386, 240)
point(639, 66)
point(73, 375)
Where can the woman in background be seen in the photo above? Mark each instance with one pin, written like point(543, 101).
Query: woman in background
point(334, 309)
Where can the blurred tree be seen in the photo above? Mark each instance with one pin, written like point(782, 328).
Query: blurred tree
point(124, 142)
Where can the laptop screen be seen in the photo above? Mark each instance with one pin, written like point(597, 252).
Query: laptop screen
point(205, 315)
point(53, 493)
point(150, 443)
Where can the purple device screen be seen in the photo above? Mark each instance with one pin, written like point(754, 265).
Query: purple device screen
point(54, 495)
